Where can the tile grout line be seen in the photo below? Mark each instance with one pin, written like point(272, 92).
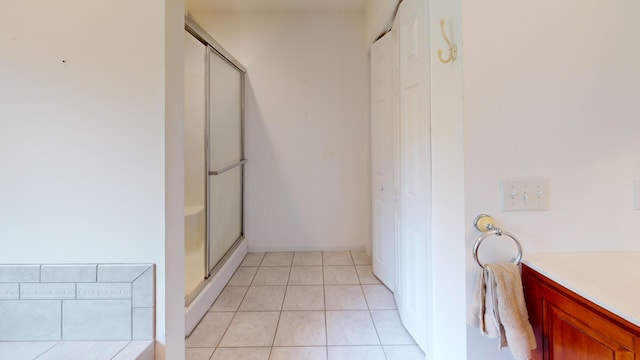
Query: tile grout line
point(288, 284)
point(217, 344)
point(47, 350)
point(62, 318)
point(375, 327)
point(326, 323)
point(253, 277)
point(352, 260)
point(131, 312)
point(275, 333)
point(121, 350)
point(262, 259)
point(377, 333)
point(148, 268)
point(286, 288)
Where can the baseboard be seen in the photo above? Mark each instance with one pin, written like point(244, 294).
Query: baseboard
point(305, 248)
point(201, 304)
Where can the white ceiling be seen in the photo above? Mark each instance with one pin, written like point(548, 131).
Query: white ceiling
point(262, 5)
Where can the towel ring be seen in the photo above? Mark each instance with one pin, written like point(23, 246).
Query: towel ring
point(486, 224)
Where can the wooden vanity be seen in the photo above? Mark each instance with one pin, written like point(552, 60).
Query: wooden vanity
point(583, 306)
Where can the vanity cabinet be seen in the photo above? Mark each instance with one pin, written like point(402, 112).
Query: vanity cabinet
point(570, 327)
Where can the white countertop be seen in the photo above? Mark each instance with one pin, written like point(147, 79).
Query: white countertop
point(609, 279)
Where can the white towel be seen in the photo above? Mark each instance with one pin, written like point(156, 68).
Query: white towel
point(499, 310)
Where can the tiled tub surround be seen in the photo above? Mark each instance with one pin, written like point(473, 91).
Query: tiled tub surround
point(58, 307)
point(77, 350)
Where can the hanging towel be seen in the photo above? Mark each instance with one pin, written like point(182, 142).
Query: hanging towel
point(499, 310)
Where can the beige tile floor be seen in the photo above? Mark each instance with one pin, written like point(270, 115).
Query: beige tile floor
point(303, 306)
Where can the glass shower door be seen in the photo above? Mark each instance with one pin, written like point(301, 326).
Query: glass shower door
point(195, 117)
point(225, 157)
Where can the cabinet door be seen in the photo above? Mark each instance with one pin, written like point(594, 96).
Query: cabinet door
point(570, 327)
point(569, 338)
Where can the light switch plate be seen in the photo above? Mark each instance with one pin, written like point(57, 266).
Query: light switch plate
point(527, 194)
point(636, 194)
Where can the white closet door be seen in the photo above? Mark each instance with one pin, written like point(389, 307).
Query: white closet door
point(383, 150)
point(414, 260)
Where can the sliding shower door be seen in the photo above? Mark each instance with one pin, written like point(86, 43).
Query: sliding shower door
point(195, 179)
point(225, 157)
point(214, 158)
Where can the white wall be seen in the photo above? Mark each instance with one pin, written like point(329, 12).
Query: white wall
point(551, 89)
point(307, 126)
point(174, 310)
point(82, 136)
point(448, 181)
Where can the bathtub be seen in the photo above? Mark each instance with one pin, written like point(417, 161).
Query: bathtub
point(200, 294)
point(194, 227)
point(194, 250)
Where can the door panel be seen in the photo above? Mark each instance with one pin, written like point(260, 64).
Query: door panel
point(581, 346)
point(571, 339)
point(225, 155)
point(225, 199)
point(383, 149)
point(225, 113)
point(415, 172)
point(194, 163)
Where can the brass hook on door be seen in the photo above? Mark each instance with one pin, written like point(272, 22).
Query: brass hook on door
point(453, 49)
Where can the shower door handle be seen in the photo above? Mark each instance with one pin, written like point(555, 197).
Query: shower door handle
point(226, 168)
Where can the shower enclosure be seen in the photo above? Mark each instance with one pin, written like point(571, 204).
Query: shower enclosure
point(214, 157)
